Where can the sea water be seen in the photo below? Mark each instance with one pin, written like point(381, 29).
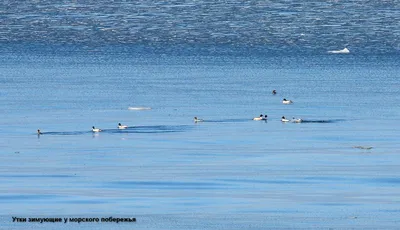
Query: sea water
point(225, 172)
point(67, 67)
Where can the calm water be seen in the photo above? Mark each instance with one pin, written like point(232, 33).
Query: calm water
point(68, 66)
point(227, 172)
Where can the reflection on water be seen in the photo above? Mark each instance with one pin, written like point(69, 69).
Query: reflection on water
point(136, 129)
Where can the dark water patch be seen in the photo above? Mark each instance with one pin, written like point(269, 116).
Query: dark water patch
point(71, 133)
point(168, 185)
point(363, 147)
point(134, 129)
point(323, 121)
point(151, 129)
point(385, 181)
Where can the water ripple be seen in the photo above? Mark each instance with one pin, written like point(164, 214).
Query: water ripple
point(308, 25)
point(168, 185)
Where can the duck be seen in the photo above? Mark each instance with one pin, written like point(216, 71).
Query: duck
point(122, 126)
point(273, 92)
point(297, 120)
point(260, 118)
point(198, 119)
point(38, 132)
point(96, 129)
point(284, 119)
point(284, 101)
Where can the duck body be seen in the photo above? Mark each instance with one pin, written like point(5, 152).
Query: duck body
point(122, 126)
point(297, 120)
point(284, 101)
point(96, 130)
point(260, 118)
point(197, 119)
point(283, 119)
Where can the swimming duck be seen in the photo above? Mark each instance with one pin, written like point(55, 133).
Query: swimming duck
point(297, 120)
point(284, 101)
point(122, 126)
point(38, 132)
point(284, 119)
point(197, 119)
point(96, 129)
point(260, 118)
point(273, 92)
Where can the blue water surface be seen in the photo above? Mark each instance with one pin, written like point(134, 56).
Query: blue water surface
point(154, 66)
point(227, 172)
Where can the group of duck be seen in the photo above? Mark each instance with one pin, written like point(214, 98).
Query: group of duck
point(283, 119)
point(94, 129)
point(265, 117)
point(196, 119)
point(120, 126)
